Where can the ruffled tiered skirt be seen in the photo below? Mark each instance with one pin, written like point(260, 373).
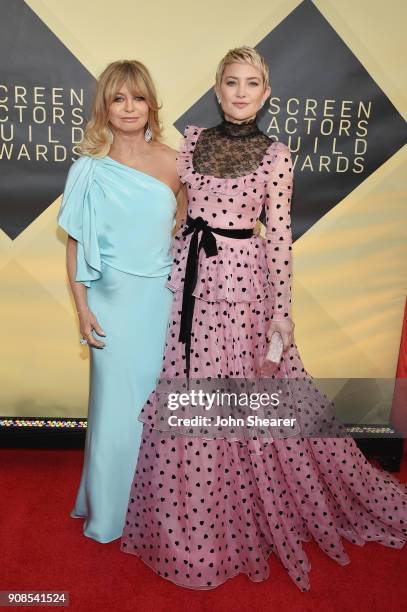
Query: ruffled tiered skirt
point(203, 510)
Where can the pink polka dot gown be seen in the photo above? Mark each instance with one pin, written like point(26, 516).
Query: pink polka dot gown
point(202, 511)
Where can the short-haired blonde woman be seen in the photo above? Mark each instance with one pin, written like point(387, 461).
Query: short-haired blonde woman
point(202, 509)
point(118, 210)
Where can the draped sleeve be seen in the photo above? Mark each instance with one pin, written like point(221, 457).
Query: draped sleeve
point(278, 230)
point(77, 216)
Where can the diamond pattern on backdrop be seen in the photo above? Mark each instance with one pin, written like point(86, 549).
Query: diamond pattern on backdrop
point(45, 97)
point(339, 124)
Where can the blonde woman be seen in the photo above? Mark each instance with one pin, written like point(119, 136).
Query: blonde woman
point(202, 507)
point(118, 211)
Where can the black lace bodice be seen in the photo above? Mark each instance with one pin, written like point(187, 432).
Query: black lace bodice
point(230, 150)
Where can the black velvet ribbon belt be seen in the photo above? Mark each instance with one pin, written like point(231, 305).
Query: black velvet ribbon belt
point(208, 244)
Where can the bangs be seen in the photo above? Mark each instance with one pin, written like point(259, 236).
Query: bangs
point(244, 55)
point(130, 76)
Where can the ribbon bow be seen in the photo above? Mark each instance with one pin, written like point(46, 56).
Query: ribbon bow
point(208, 243)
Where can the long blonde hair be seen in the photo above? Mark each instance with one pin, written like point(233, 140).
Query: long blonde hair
point(98, 136)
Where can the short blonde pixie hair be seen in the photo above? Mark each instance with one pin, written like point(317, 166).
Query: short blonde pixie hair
point(243, 55)
point(98, 136)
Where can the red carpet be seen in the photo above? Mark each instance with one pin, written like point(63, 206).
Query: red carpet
point(42, 548)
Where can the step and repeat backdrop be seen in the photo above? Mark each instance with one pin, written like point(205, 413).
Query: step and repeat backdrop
point(337, 100)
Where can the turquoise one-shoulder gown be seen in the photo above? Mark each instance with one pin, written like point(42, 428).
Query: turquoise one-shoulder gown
point(122, 221)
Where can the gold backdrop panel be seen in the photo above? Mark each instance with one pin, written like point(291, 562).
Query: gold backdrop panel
point(350, 278)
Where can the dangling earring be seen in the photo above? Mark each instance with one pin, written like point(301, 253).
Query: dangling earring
point(148, 135)
point(218, 100)
point(262, 104)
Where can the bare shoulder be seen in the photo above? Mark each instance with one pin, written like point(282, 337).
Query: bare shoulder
point(165, 155)
point(164, 150)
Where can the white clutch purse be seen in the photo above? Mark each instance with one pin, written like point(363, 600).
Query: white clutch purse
point(273, 357)
point(276, 348)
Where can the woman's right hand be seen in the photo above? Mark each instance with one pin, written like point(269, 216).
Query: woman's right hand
point(88, 323)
